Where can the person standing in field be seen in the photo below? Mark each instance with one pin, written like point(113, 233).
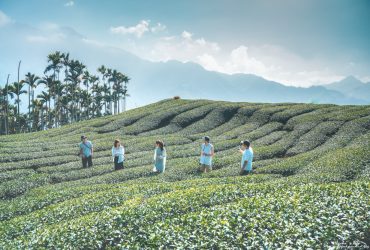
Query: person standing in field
point(159, 157)
point(247, 157)
point(86, 152)
point(118, 153)
point(206, 154)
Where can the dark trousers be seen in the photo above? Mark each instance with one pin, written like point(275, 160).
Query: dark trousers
point(117, 166)
point(87, 162)
point(245, 172)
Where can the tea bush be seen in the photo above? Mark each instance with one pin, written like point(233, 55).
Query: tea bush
point(309, 188)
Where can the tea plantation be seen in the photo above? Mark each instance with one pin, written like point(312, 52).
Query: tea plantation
point(310, 187)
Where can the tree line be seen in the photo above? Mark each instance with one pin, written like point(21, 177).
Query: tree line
point(69, 93)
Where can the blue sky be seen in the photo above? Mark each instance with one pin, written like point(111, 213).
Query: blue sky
point(299, 43)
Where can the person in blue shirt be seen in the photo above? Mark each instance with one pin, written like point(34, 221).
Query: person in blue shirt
point(118, 153)
point(206, 154)
point(86, 152)
point(159, 157)
point(247, 157)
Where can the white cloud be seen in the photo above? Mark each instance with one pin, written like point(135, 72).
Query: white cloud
point(69, 4)
point(93, 42)
point(37, 39)
point(158, 28)
point(4, 19)
point(182, 47)
point(49, 26)
point(49, 38)
point(138, 30)
point(209, 62)
point(365, 79)
point(269, 61)
point(240, 61)
point(186, 35)
point(48, 32)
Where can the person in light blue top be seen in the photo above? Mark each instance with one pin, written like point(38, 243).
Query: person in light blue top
point(206, 154)
point(247, 158)
point(86, 152)
point(159, 157)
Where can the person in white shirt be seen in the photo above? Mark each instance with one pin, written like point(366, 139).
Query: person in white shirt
point(118, 153)
point(206, 153)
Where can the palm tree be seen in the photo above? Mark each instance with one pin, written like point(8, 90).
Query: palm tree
point(49, 83)
point(108, 75)
point(98, 96)
point(65, 101)
point(86, 100)
point(5, 105)
point(125, 79)
point(37, 120)
point(74, 77)
point(96, 90)
point(55, 64)
point(32, 82)
point(44, 98)
point(106, 97)
point(65, 62)
point(114, 77)
point(17, 89)
point(94, 80)
point(71, 103)
point(86, 79)
point(12, 113)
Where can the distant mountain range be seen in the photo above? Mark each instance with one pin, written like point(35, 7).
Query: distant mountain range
point(153, 81)
point(352, 87)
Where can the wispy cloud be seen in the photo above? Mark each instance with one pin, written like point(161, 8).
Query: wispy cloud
point(50, 38)
point(158, 28)
point(48, 32)
point(186, 35)
point(269, 61)
point(69, 4)
point(139, 29)
point(4, 19)
point(183, 47)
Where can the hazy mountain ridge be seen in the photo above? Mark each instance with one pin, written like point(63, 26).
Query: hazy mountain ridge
point(352, 87)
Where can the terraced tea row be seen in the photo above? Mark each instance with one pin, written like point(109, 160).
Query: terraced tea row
point(314, 156)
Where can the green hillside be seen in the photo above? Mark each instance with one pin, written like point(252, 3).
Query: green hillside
point(310, 186)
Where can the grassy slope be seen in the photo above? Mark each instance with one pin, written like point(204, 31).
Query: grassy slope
point(311, 186)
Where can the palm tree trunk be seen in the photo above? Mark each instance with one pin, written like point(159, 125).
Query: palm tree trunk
point(57, 105)
point(42, 118)
point(124, 103)
point(54, 95)
point(49, 115)
point(115, 105)
point(29, 108)
point(110, 99)
point(33, 99)
point(6, 108)
point(19, 124)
